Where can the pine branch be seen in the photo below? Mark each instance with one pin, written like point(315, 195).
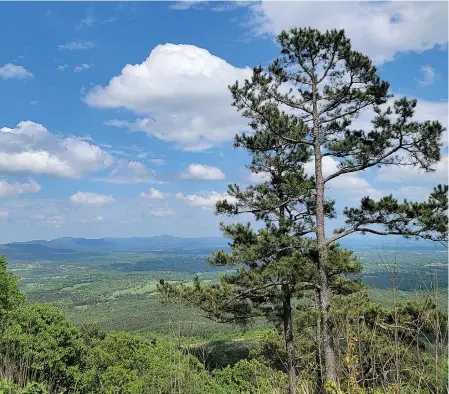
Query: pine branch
point(426, 220)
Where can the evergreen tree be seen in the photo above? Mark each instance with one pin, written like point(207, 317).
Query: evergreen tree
point(274, 265)
point(308, 98)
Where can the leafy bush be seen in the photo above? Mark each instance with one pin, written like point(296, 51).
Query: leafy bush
point(130, 364)
point(250, 377)
point(7, 387)
point(39, 343)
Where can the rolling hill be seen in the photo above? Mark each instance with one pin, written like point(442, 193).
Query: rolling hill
point(72, 248)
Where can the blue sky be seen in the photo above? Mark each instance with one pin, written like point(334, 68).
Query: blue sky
point(117, 121)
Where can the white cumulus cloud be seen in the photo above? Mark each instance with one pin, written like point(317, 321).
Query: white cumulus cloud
point(82, 67)
point(412, 193)
point(202, 172)
point(424, 110)
point(180, 93)
point(86, 198)
point(210, 200)
point(153, 194)
point(13, 189)
point(345, 181)
point(30, 148)
point(428, 76)
point(13, 71)
point(350, 187)
point(410, 174)
point(378, 29)
point(259, 177)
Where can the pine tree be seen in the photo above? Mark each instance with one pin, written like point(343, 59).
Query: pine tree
point(308, 99)
point(275, 265)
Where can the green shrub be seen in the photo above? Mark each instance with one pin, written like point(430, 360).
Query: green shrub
point(250, 377)
point(39, 343)
point(7, 387)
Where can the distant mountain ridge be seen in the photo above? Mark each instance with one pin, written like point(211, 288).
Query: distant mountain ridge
point(67, 248)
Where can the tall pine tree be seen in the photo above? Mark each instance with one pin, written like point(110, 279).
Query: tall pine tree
point(275, 265)
point(308, 98)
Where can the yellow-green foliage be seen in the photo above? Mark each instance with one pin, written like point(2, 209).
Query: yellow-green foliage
point(130, 364)
point(7, 387)
point(38, 340)
point(250, 377)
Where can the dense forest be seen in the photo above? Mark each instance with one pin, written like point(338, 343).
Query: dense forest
point(287, 276)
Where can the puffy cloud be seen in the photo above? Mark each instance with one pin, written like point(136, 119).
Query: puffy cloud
point(130, 172)
point(182, 93)
point(348, 187)
point(61, 67)
point(13, 71)
point(412, 193)
point(209, 200)
point(431, 110)
point(153, 194)
point(428, 76)
point(378, 29)
point(31, 148)
point(77, 46)
point(161, 212)
point(86, 198)
point(349, 182)
point(352, 187)
point(82, 67)
point(407, 173)
point(424, 110)
point(13, 189)
point(259, 177)
point(330, 166)
point(202, 172)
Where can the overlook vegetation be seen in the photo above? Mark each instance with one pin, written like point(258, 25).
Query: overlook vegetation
point(177, 348)
point(283, 307)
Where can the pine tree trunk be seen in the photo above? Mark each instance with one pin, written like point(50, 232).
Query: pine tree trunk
point(289, 345)
point(318, 352)
point(324, 292)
